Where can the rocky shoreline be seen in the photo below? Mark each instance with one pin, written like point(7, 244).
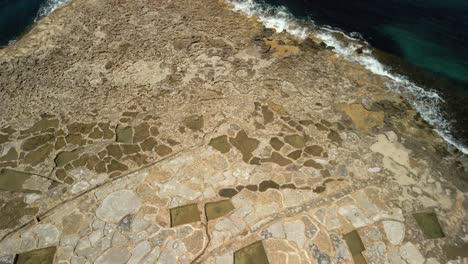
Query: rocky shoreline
point(161, 132)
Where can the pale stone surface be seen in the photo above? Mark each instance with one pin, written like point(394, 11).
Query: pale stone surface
point(139, 252)
point(32, 197)
point(69, 240)
point(374, 170)
point(432, 261)
point(117, 205)
point(411, 254)
point(47, 234)
point(354, 215)
point(80, 186)
point(376, 253)
point(169, 104)
point(6, 259)
point(395, 231)
point(114, 255)
point(295, 231)
point(225, 259)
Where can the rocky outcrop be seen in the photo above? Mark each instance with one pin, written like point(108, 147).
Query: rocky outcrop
point(164, 132)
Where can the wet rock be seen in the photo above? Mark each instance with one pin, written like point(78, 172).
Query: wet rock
point(75, 139)
point(34, 142)
point(184, 215)
point(306, 122)
point(354, 242)
point(255, 161)
point(39, 155)
point(65, 157)
point(228, 192)
point(253, 253)
point(295, 154)
point(321, 127)
point(107, 132)
point(214, 210)
point(138, 158)
point(455, 252)
point(194, 123)
point(265, 185)
point(129, 149)
point(141, 132)
point(4, 138)
point(154, 131)
point(80, 128)
point(251, 187)
point(244, 144)
point(97, 133)
point(319, 189)
point(276, 143)
point(41, 125)
point(335, 137)
point(288, 186)
point(12, 212)
point(221, 144)
point(116, 166)
point(278, 159)
point(81, 161)
point(313, 164)
point(117, 205)
point(268, 115)
point(100, 167)
point(148, 144)
point(43, 255)
point(429, 224)
point(124, 134)
point(114, 151)
point(314, 150)
point(163, 150)
point(295, 141)
point(13, 180)
point(60, 143)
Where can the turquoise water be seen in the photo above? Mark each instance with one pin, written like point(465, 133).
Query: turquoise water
point(17, 16)
point(427, 33)
point(431, 36)
point(428, 41)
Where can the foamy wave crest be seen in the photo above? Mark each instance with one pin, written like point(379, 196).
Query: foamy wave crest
point(278, 18)
point(426, 102)
point(48, 7)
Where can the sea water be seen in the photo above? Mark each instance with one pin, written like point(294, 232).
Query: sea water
point(424, 43)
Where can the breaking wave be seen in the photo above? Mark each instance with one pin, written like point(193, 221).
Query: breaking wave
point(426, 102)
point(48, 7)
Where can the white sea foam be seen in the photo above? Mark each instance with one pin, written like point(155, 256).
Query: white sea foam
point(48, 7)
point(277, 18)
point(425, 101)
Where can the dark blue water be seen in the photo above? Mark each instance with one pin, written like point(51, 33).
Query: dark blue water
point(16, 16)
point(426, 40)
